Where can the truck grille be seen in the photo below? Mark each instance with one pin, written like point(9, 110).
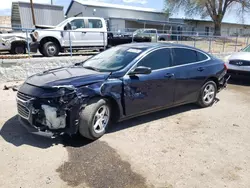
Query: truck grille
point(23, 111)
point(239, 63)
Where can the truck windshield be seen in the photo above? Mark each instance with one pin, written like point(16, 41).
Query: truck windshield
point(246, 49)
point(62, 23)
point(112, 59)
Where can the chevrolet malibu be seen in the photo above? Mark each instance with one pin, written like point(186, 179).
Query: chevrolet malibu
point(118, 84)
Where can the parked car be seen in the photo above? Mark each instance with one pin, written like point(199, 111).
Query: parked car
point(15, 43)
point(152, 34)
point(76, 32)
point(120, 83)
point(239, 63)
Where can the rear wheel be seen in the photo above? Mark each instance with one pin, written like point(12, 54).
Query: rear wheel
point(95, 118)
point(207, 94)
point(50, 49)
point(18, 48)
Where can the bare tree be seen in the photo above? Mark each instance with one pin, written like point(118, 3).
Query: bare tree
point(216, 9)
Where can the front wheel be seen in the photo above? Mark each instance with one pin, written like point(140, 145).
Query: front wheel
point(95, 118)
point(207, 94)
point(50, 49)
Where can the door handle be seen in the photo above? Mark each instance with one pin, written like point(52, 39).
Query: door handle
point(169, 75)
point(201, 69)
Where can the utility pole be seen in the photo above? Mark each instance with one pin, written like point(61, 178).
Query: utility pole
point(32, 12)
point(51, 2)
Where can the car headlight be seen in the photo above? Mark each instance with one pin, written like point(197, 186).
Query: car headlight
point(36, 34)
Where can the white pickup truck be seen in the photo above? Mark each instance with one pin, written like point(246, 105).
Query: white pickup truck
point(75, 32)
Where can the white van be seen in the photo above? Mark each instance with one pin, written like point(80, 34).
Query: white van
point(83, 32)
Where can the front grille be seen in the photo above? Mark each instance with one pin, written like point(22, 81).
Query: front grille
point(23, 97)
point(239, 63)
point(23, 111)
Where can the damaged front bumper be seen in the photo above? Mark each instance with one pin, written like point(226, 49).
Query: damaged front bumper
point(49, 117)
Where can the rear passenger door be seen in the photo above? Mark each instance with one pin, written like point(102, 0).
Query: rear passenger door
point(190, 70)
point(95, 33)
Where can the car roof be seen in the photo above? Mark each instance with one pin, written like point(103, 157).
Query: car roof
point(148, 45)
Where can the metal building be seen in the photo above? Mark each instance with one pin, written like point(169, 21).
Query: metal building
point(121, 17)
point(45, 14)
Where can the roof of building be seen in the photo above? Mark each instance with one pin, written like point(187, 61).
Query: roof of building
point(42, 4)
point(109, 5)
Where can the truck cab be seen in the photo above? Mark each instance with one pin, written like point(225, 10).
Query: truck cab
point(75, 33)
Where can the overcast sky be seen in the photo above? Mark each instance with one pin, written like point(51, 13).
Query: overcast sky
point(5, 7)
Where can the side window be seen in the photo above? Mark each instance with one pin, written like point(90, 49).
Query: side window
point(183, 56)
point(77, 23)
point(157, 60)
point(201, 56)
point(95, 23)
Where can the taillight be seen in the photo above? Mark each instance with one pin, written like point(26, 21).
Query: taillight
point(225, 66)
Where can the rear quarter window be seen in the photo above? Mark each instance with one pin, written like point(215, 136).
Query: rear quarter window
point(182, 56)
point(95, 23)
point(201, 56)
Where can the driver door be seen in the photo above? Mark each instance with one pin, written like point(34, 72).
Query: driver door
point(152, 91)
point(76, 33)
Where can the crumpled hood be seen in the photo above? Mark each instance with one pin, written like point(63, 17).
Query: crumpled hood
point(75, 76)
point(240, 56)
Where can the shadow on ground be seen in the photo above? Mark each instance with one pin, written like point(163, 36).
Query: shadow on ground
point(14, 133)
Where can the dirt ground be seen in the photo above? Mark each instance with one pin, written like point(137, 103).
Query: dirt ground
point(182, 147)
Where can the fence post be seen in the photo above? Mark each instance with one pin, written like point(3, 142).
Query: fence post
point(247, 40)
point(236, 42)
point(27, 40)
point(210, 40)
point(70, 44)
point(194, 42)
point(177, 39)
point(103, 37)
point(224, 41)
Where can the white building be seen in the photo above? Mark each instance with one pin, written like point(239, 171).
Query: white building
point(121, 17)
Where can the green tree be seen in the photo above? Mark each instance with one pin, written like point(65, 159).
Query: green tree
point(216, 9)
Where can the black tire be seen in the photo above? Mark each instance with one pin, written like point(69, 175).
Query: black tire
point(40, 49)
point(50, 49)
point(162, 39)
point(205, 102)
point(18, 48)
point(87, 118)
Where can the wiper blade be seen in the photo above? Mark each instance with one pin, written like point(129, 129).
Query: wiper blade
point(91, 68)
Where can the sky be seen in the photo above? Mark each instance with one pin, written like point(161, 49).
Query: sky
point(231, 16)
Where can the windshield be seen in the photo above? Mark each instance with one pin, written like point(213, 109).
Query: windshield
point(113, 59)
point(62, 23)
point(246, 49)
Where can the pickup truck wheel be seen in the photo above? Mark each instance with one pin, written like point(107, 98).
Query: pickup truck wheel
point(50, 49)
point(207, 94)
point(95, 118)
point(18, 49)
point(40, 49)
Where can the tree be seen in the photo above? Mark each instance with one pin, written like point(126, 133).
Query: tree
point(216, 9)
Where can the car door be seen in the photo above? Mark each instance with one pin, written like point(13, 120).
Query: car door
point(76, 33)
point(191, 71)
point(150, 91)
point(95, 33)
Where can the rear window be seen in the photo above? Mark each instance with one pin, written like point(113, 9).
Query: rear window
point(184, 56)
point(201, 56)
point(95, 23)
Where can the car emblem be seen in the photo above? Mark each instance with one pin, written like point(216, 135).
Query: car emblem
point(239, 63)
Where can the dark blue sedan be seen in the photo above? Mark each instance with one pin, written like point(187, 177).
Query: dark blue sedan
point(117, 84)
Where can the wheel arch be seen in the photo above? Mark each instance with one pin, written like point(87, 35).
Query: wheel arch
point(213, 78)
point(50, 39)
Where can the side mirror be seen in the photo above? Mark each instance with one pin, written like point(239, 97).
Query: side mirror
point(140, 70)
point(67, 26)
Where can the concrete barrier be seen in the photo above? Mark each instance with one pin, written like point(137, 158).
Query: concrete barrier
point(20, 69)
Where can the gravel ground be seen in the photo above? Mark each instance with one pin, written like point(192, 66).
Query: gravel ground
point(180, 147)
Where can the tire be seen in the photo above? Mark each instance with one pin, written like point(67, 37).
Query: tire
point(162, 39)
point(50, 49)
point(18, 48)
point(40, 49)
point(204, 99)
point(89, 117)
